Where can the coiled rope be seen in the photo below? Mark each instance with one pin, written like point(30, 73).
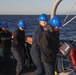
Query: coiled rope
point(68, 15)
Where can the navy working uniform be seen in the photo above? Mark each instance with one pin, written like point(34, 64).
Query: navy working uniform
point(0, 29)
point(27, 55)
point(19, 46)
point(5, 44)
point(1, 55)
point(35, 48)
point(49, 46)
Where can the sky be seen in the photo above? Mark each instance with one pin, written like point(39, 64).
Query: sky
point(35, 7)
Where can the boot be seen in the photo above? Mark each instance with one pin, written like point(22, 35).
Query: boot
point(17, 73)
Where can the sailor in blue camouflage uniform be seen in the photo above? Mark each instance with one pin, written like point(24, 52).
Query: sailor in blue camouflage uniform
point(35, 49)
point(0, 27)
point(49, 45)
point(19, 45)
point(1, 55)
point(5, 44)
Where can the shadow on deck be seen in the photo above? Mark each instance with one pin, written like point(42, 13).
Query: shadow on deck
point(26, 70)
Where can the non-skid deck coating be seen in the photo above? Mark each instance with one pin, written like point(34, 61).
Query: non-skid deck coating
point(26, 70)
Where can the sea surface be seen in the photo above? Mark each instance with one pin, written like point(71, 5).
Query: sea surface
point(67, 32)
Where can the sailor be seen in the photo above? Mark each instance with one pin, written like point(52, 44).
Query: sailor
point(35, 49)
point(1, 51)
point(49, 45)
point(5, 44)
point(19, 45)
point(0, 27)
point(28, 58)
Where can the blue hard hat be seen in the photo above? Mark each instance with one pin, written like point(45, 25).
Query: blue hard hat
point(5, 24)
point(22, 24)
point(43, 17)
point(55, 21)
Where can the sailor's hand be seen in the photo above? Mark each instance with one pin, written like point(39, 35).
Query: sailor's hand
point(74, 40)
point(64, 55)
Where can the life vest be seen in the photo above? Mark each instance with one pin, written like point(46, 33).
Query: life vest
point(73, 56)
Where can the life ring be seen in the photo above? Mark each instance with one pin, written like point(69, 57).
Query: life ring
point(73, 56)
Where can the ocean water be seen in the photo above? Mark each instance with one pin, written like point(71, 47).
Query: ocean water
point(66, 33)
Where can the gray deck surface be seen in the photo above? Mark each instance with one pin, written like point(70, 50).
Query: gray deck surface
point(26, 70)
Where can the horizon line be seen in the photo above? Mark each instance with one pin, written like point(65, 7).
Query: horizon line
point(35, 14)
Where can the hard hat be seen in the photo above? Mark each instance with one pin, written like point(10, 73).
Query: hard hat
point(43, 17)
point(5, 25)
point(21, 24)
point(55, 21)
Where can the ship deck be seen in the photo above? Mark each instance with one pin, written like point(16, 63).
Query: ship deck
point(26, 70)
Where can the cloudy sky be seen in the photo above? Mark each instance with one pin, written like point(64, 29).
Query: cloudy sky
point(35, 6)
